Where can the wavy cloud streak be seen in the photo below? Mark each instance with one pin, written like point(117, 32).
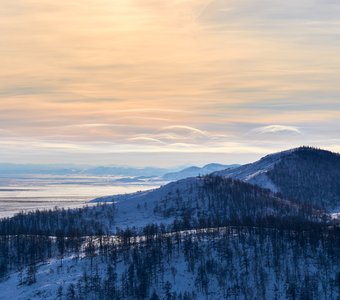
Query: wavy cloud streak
point(147, 76)
point(276, 129)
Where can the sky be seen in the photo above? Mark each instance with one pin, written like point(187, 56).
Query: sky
point(167, 83)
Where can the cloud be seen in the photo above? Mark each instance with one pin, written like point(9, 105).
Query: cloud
point(174, 135)
point(185, 128)
point(146, 139)
point(148, 75)
point(275, 129)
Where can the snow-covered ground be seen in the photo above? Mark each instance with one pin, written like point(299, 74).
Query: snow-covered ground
point(335, 214)
point(255, 173)
point(137, 209)
point(49, 276)
point(209, 266)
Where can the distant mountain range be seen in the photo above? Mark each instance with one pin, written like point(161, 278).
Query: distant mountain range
point(125, 171)
point(197, 171)
point(22, 169)
point(12, 170)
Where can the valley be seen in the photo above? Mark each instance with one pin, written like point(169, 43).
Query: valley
point(222, 235)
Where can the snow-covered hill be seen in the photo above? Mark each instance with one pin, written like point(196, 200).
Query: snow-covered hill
point(201, 198)
point(189, 203)
point(227, 263)
point(306, 174)
point(256, 173)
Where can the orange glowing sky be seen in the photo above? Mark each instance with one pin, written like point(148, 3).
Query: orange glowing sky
point(151, 82)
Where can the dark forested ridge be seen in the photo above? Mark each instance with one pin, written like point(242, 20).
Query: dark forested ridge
point(218, 201)
point(61, 222)
point(310, 175)
point(224, 263)
point(306, 174)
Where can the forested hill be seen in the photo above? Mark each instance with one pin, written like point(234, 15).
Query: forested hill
point(190, 203)
point(306, 174)
point(226, 263)
point(309, 175)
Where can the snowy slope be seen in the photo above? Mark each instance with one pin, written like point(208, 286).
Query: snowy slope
point(255, 173)
point(218, 266)
point(137, 209)
point(213, 197)
point(306, 174)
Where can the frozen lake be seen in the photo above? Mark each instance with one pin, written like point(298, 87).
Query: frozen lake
point(45, 192)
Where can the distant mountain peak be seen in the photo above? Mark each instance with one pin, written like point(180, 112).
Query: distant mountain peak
point(197, 171)
point(307, 174)
point(304, 150)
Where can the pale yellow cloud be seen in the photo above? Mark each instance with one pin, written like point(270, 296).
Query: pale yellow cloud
point(185, 128)
point(275, 129)
point(155, 73)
